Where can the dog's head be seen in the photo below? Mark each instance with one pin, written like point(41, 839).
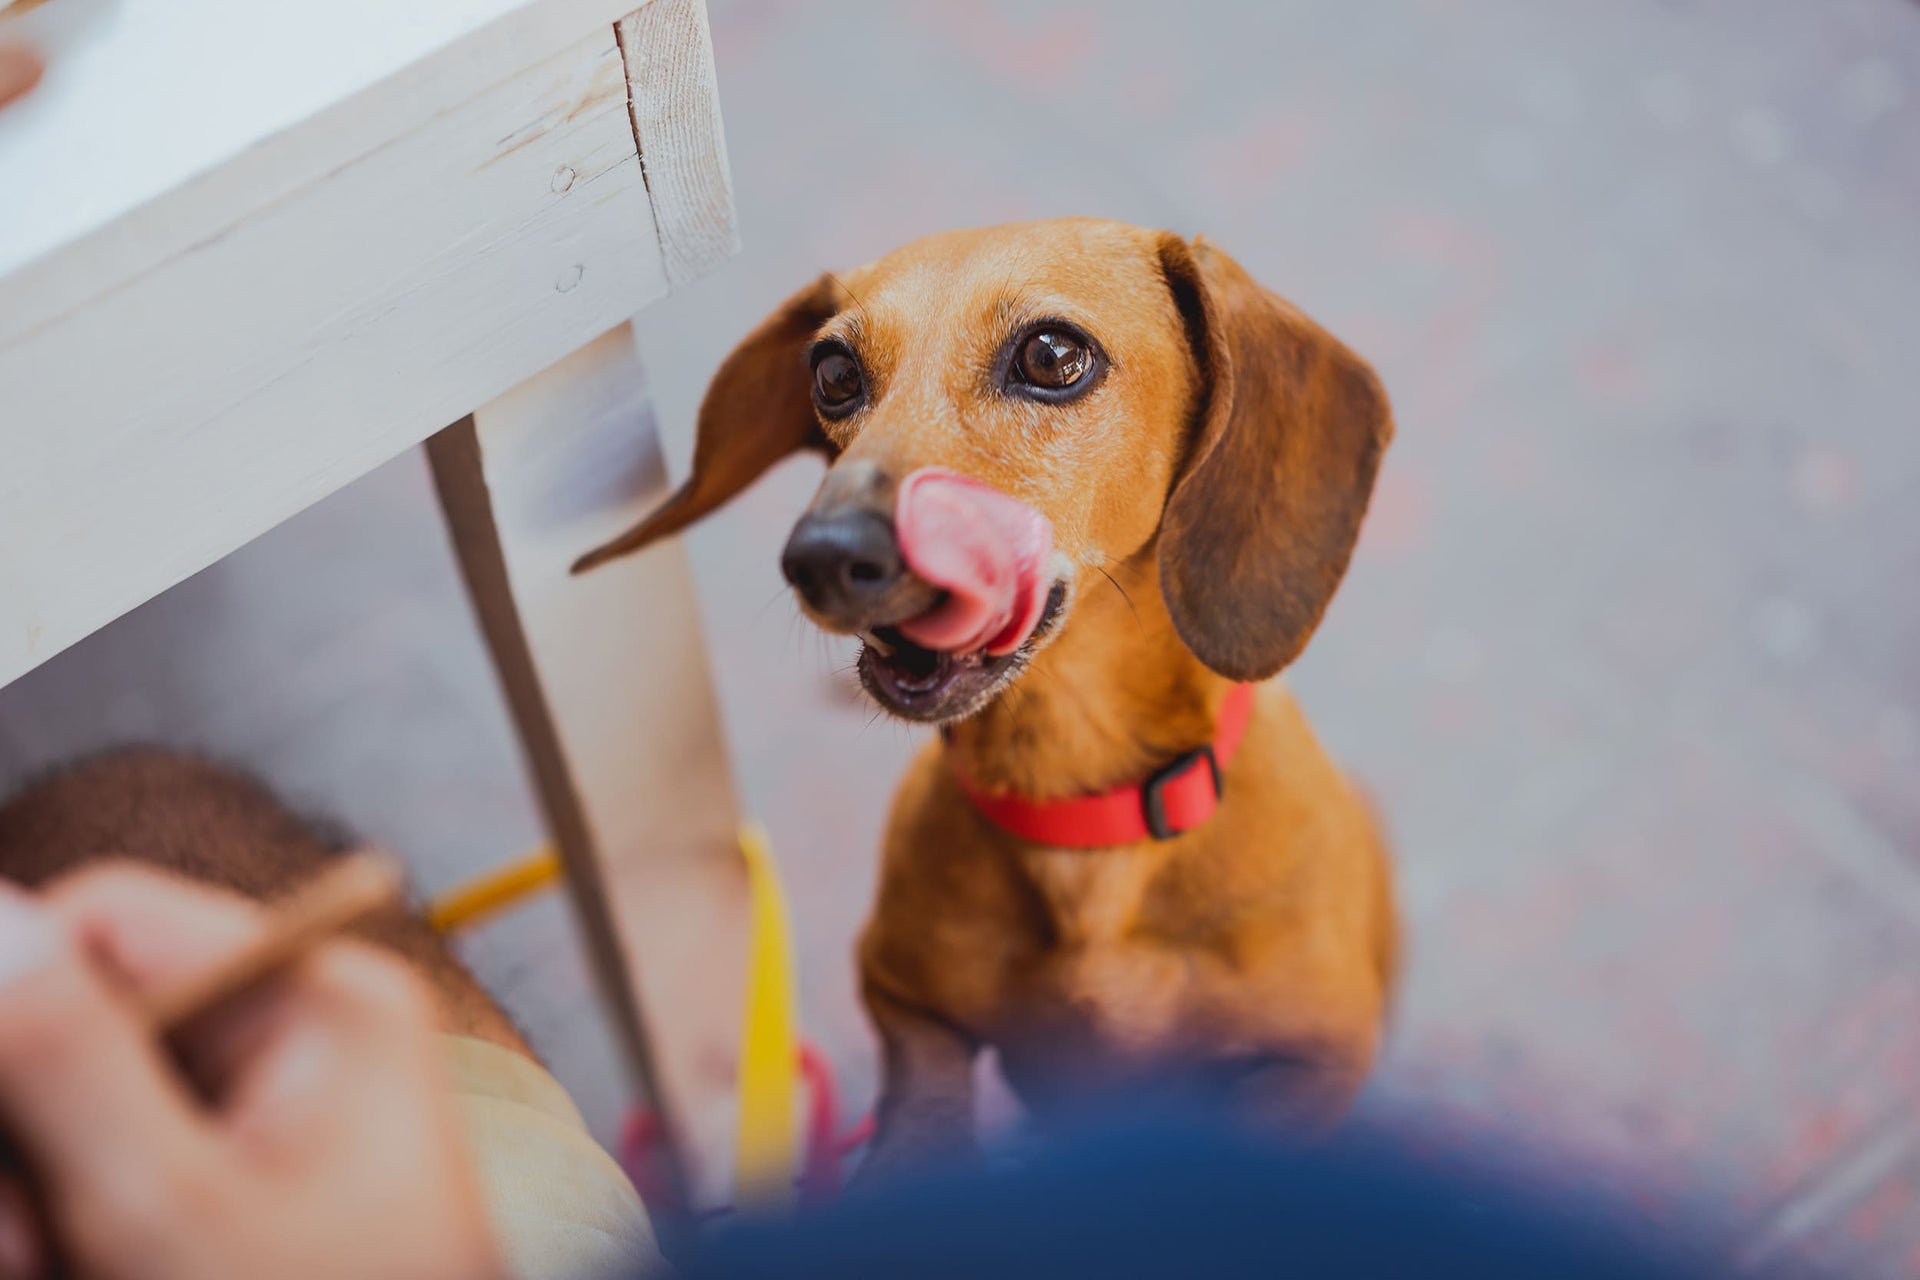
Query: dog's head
point(1011, 412)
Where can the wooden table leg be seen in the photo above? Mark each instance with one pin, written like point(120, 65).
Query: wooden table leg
point(607, 679)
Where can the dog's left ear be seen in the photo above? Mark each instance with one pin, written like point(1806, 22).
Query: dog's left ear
point(757, 410)
point(1265, 512)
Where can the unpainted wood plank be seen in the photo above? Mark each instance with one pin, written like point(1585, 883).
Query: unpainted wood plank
point(147, 434)
point(608, 678)
point(676, 125)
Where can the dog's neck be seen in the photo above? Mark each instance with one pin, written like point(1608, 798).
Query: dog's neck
point(1115, 696)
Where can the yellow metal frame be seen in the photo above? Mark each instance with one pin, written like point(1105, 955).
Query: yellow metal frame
point(495, 891)
point(766, 1146)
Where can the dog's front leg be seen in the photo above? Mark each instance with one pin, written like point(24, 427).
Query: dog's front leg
point(925, 1112)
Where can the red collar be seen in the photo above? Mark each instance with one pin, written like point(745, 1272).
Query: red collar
point(1177, 797)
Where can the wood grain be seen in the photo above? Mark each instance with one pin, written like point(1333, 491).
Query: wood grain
point(676, 125)
point(145, 435)
point(233, 115)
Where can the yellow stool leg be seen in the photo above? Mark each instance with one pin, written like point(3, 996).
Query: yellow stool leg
point(765, 1153)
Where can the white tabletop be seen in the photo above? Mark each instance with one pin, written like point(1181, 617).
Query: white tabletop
point(142, 96)
point(245, 258)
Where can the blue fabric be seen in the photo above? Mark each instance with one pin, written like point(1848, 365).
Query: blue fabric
point(1166, 1199)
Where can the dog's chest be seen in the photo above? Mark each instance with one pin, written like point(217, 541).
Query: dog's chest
point(1096, 979)
point(1092, 898)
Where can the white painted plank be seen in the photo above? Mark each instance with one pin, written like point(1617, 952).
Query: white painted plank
point(609, 681)
point(683, 147)
point(237, 382)
point(143, 97)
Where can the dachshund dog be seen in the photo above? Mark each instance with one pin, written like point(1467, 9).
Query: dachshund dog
point(1089, 486)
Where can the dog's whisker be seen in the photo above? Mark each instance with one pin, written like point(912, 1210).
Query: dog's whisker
point(1122, 590)
point(771, 600)
point(796, 638)
point(1124, 593)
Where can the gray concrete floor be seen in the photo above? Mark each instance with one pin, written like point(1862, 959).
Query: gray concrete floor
point(1629, 648)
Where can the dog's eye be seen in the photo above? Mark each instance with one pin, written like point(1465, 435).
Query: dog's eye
point(1052, 360)
point(837, 383)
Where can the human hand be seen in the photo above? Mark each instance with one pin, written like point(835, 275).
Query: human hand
point(312, 1134)
point(20, 70)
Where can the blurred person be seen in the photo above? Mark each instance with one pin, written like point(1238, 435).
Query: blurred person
point(380, 1067)
point(316, 1139)
point(319, 1139)
point(1176, 1192)
point(20, 70)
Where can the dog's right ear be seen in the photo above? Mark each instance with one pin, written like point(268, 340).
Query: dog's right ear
point(757, 410)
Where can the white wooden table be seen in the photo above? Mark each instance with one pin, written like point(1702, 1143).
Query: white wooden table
point(250, 251)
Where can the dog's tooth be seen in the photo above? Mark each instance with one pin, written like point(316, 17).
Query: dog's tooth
point(878, 645)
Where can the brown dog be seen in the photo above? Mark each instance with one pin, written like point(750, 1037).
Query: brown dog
point(1181, 461)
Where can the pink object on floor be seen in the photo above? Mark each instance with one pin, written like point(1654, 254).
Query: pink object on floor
point(642, 1147)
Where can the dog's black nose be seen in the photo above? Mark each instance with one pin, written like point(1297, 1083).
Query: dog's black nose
point(843, 563)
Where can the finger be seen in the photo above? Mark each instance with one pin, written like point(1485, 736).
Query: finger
point(20, 69)
point(21, 1254)
point(359, 1081)
point(85, 1094)
point(153, 928)
point(344, 1029)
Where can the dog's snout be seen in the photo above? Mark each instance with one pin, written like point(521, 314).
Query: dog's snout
point(843, 563)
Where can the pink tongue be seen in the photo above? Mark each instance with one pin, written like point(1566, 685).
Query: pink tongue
point(986, 550)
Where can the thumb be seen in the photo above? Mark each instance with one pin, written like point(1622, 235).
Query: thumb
point(85, 1094)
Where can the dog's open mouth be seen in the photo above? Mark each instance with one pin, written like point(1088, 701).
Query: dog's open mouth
point(918, 683)
point(979, 559)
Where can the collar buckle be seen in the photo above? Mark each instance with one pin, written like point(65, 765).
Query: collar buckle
point(1153, 802)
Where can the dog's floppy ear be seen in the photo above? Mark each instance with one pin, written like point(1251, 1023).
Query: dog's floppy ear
point(1267, 505)
point(757, 410)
